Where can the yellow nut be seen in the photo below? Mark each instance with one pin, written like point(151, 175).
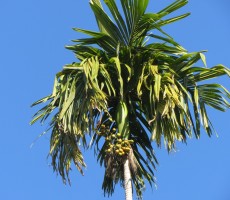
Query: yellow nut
point(121, 154)
point(109, 150)
point(121, 151)
point(118, 146)
point(113, 136)
point(119, 140)
point(107, 138)
point(126, 149)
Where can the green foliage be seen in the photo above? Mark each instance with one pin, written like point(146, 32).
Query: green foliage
point(142, 90)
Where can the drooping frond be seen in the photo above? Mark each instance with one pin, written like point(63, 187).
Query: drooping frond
point(64, 150)
point(173, 103)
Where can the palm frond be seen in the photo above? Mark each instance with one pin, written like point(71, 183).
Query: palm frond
point(64, 150)
point(108, 25)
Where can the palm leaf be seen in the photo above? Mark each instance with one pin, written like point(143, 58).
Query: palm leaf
point(110, 28)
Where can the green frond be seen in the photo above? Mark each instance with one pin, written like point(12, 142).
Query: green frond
point(173, 7)
point(108, 25)
point(63, 151)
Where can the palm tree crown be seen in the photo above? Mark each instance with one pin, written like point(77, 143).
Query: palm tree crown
point(133, 85)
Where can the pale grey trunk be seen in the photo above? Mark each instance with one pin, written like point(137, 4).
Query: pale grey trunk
point(127, 181)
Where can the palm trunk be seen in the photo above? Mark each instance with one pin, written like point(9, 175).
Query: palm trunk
point(127, 181)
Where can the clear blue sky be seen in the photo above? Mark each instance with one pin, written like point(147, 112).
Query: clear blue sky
point(32, 38)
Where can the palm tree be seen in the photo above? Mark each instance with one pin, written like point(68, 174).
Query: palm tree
point(132, 84)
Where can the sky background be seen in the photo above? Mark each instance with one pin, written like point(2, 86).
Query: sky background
point(33, 34)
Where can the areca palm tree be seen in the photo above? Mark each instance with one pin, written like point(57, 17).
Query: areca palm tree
point(131, 85)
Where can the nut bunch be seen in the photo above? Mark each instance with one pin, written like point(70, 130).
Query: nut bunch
point(115, 143)
point(103, 130)
point(118, 145)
